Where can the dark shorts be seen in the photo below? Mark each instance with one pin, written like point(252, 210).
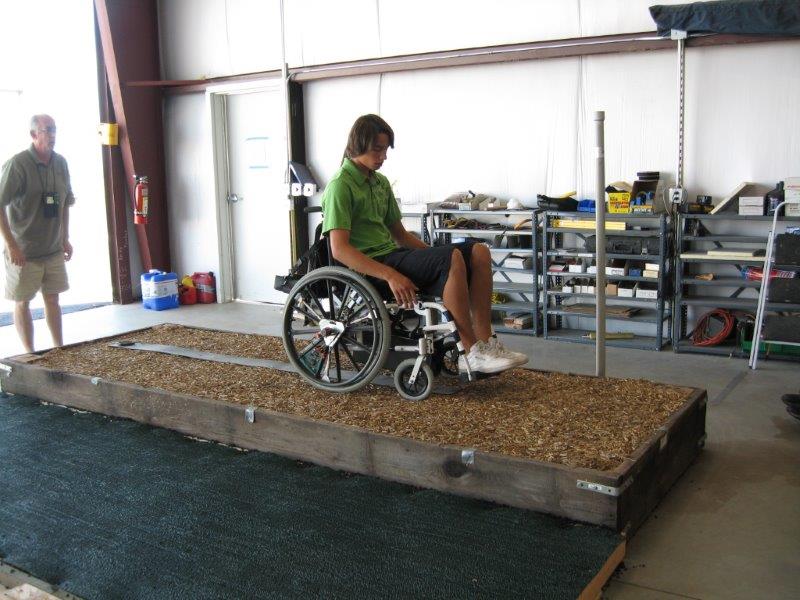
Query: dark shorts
point(428, 268)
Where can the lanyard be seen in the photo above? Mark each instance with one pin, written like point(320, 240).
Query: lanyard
point(46, 179)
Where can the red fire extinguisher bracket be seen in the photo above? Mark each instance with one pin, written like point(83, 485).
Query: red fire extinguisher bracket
point(141, 199)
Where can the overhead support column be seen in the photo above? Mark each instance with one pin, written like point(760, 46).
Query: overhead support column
point(297, 144)
point(113, 175)
point(129, 37)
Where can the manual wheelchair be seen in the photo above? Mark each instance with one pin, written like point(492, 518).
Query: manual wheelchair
point(340, 329)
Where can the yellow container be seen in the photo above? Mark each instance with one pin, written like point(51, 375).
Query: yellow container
point(108, 133)
point(619, 202)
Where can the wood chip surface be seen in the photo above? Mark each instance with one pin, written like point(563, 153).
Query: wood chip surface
point(572, 420)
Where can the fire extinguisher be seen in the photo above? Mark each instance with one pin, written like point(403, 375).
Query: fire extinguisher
point(141, 197)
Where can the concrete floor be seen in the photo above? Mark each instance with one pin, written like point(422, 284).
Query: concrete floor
point(729, 529)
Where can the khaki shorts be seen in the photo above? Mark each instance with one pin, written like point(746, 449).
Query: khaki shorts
point(48, 275)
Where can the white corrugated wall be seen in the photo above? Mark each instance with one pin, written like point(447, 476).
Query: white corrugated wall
point(512, 129)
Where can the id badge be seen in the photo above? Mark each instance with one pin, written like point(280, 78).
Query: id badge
point(50, 204)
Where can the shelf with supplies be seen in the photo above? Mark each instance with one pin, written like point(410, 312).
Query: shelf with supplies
point(638, 274)
point(408, 212)
point(719, 275)
point(513, 239)
point(583, 337)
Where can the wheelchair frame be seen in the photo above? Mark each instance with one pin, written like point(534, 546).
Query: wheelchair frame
point(339, 332)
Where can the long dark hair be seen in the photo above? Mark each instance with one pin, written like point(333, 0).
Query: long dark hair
point(363, 134)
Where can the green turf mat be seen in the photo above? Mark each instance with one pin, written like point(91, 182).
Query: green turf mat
point(110, 508)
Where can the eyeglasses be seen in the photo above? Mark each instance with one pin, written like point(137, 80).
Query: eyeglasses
point(49, 130)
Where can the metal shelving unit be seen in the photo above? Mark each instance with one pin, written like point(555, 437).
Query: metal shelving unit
point(692, 292)
point(655, 311)
point(525, 295)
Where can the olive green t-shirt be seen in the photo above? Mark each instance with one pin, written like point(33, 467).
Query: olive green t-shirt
point(364, 206)
point(24, 183)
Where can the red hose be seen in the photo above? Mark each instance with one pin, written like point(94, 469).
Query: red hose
point(700, 335)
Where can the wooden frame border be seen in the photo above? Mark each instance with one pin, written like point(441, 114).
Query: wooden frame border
point(640, 482)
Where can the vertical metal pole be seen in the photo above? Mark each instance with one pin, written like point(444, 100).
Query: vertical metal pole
point(680, 36)
point(600, 255)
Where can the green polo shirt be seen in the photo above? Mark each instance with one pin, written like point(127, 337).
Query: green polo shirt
point(363, 205)
point(23, 182)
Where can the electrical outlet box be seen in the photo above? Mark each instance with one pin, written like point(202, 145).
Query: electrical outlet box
point(677, 195)
point(297, 189)
point(309, 189)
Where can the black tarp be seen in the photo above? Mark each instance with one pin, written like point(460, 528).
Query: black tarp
point(752, 17)
point(111, 509)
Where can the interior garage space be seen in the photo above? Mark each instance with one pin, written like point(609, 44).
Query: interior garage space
point(232, 399)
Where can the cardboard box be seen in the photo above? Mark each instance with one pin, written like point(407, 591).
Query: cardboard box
point(611, 289)
point(751, 211)
point(591, 269)
point(751, 201)
point(518, 262)
point(626, 289)
point(647, 291)
point(619, 202)
point(618, 266)
point(791, 193)
point(577, 268)
point(519, 321)
point(650, 273)
point(656, 189)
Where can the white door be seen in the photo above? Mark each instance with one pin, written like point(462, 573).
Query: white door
point(259, 212)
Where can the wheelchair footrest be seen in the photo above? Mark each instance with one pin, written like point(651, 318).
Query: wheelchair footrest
point(477, 376)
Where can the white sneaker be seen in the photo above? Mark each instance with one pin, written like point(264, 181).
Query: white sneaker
point(496, 346)
point(483, 360)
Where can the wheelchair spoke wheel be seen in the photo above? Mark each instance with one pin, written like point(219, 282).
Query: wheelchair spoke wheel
point(423, 384)
point(336, 331)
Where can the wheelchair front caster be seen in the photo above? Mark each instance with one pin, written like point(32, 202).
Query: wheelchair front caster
point(423, 384)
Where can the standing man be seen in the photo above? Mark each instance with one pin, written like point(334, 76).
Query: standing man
point(35, 196)
point(366, 232)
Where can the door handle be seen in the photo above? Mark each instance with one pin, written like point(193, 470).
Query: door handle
point(233, 198)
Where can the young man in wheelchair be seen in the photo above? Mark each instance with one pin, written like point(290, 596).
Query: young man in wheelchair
point(366, 233)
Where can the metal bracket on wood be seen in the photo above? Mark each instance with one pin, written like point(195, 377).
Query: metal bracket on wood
point(468, 457)
point(250, 414)
point(604, 489)
point(95, 380)
point(662, 443)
